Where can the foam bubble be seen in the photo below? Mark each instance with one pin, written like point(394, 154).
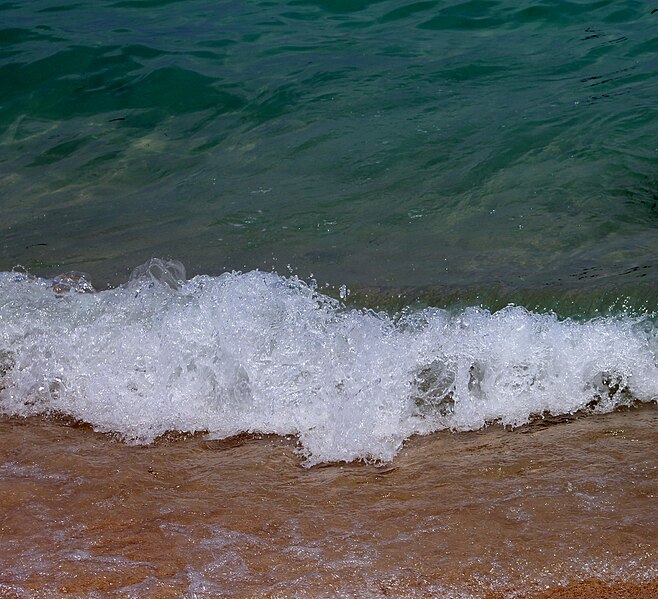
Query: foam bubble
point(257, 352)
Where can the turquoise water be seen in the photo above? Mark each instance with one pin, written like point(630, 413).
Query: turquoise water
point(451, 152)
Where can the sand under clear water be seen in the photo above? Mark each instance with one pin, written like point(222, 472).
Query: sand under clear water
point(566, 508)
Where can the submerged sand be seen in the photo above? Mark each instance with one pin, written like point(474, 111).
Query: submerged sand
point(567, 509)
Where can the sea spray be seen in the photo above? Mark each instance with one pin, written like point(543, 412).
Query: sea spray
point(258, 352)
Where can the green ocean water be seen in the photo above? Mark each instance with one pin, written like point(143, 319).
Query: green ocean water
point(439, 151)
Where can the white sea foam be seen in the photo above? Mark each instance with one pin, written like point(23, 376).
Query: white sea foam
point(259, 352)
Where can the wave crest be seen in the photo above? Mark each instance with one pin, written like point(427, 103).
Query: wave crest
point(258, 352)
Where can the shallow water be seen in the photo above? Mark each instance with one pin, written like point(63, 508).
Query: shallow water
point(455, 515)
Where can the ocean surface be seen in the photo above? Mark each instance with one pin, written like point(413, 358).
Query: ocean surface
point(335, 227)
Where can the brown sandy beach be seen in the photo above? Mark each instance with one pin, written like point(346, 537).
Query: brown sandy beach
point(550, 510)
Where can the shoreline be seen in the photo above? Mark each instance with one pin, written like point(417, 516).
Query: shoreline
point(547, 512)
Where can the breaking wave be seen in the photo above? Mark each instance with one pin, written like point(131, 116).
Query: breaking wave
point(258, 352)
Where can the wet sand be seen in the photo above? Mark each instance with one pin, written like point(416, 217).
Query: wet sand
point(567, 509)
point(598, 590)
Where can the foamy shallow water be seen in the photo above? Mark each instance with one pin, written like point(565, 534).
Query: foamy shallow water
point(258, 352)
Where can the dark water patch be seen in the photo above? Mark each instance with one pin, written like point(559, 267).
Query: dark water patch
point(146, 3)
point(647, 47)
point(147, 92)
point(59, 152)
point(404, 12)
point(337, 6)
point(16, 35)
point(61, 8)
point(88, 81)
point(627, 13)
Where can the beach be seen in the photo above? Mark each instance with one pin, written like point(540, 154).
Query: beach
point(554, 509)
